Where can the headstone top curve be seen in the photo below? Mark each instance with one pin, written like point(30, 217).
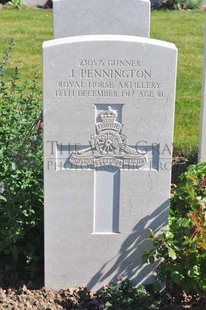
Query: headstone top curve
point(112, 38)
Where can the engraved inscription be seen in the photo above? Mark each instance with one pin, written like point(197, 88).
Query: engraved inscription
point(114, 73)
point(113, 78)
point(108, 146)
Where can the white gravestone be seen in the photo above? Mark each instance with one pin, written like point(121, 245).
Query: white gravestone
point(32, 3)
point(202, 139)
point(108, 129)
point(88, 17)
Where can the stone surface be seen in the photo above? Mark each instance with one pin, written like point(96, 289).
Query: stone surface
point(108, 126)
point(202, 139)
point(32, 3)
point(88, 17)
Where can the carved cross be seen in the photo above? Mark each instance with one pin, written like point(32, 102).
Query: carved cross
point(107, 154)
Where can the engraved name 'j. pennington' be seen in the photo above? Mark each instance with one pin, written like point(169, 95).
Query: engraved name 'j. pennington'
point(111, 73)
point(108, 146)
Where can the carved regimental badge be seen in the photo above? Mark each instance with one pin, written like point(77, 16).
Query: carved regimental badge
point(108, 146)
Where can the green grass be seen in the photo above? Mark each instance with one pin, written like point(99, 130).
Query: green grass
point(30, 28)
point(186, 30)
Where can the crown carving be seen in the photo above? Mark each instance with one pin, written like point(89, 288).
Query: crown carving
point(108, 121)
point(108, 114)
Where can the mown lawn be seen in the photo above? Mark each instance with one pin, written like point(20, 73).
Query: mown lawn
point(30, 28)
point(186, 30)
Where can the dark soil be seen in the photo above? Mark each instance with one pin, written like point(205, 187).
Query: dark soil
point(179, 165)
point(47, 299)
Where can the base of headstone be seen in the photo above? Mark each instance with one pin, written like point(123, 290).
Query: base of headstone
point(32, 3)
